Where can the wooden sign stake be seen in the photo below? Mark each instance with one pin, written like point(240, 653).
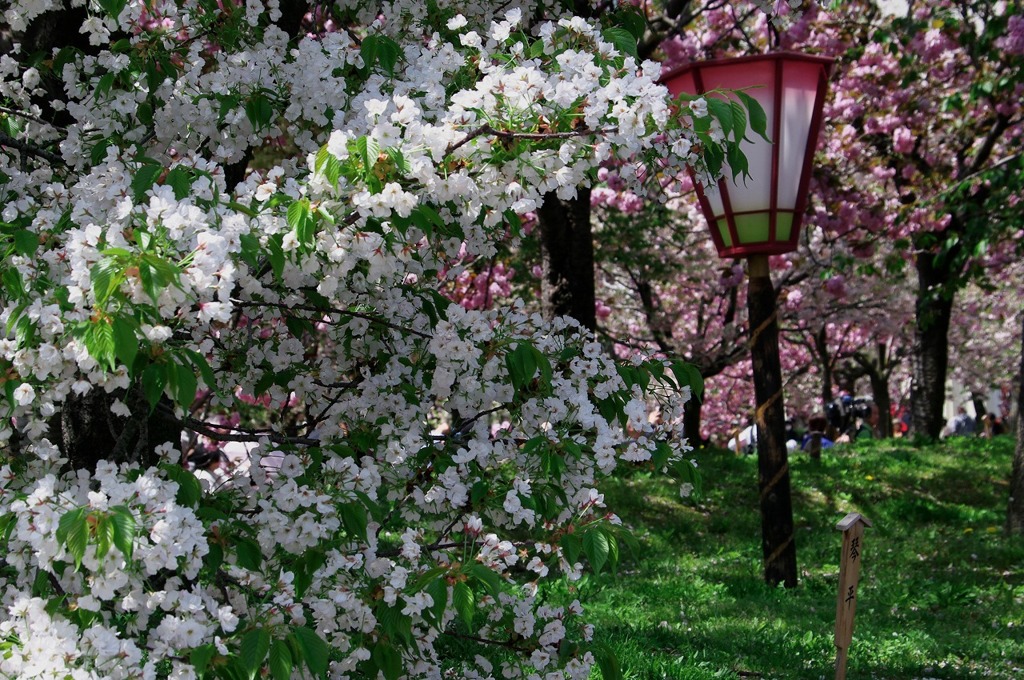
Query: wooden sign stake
point(852, 527)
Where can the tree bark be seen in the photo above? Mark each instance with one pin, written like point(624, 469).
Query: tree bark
point(691, 423)
point(880, 395)
point(87, 431)
point(777, 538)
point(878, 368)
point(930, 361)
point(568, 285)
point(1015, 507)
point(825, 358)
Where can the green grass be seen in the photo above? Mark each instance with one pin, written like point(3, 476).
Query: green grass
point(941, 592)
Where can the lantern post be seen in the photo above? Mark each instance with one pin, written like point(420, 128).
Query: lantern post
point(755, 217)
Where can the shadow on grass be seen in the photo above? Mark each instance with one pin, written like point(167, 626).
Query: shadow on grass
point(941, 595)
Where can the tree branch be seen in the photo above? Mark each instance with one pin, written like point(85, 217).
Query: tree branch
point(31, 150)
point(341, 312)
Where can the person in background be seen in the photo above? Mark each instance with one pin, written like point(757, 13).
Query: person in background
point(963, 424)
point(867, 425)
point(992, 425)
point(815, 440)
point(864, 427)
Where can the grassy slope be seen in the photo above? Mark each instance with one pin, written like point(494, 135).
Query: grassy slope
point(941, 594)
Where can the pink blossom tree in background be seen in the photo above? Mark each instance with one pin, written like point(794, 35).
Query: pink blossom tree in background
point(664, 288)
point(985, 340)
point(928, 121)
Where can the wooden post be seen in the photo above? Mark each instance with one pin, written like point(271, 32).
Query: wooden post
point(777, 539)
point(852, 527)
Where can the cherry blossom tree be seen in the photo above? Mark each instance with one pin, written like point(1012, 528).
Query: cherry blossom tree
point(416, 472)
point(927, 111)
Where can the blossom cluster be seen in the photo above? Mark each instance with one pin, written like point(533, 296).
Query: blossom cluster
point(414, 472)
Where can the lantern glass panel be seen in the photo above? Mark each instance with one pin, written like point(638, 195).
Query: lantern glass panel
point(723, 230)
point(758, 80)
point(752, 227)
point(800, 86)
point(714, 196)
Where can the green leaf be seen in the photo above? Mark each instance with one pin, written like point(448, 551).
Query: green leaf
point(253, 649)
point(281, 663)
point(123, 521)
point(720, 109)
point(249, 554)
point(154, 379)
point(144, 179)
point(488, 578)
point(438, 591)
point(126, 344)
point(399, 160)
point(737, 162)
point(388, 53)
point(185, 385)
point(149, 282)
point(104, 530)
point(623, 40)
point(250, 245)
point(99, 151)
point(275, 253)
point(633, 21)
point(464, 602)
point(739, 118)
point(596, 548)
point(189, 490)
point(8, 521)
point(687, 472)
point(521, 364)
point(13, 285)
point(203, 366)
point(105, 276)
point(571, 546)
point(314, 649)
point(427, 219)
point(113, 7)
point(379, 48)
point(301, 221)
point(395, 625)
point(73, 532)
point(145, 113)
point(180, 180)
point(103, 86)
point(353, 517)
point(388, 660)
point(99, 340)
point(201, 656)
point(25, 242)
point(758, 119)
point(368, 51)
point(368, 150)
point(607, 662)
point(688, 374)
point(259, 111)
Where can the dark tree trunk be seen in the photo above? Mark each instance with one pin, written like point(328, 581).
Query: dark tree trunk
point(1015, 508)
point(880, 395)
point(777, 538)
point(930, 359)
point(56, 28)
point(568, 286)
point(87, 430)
point(825, 359)
point(691, 423)
point(878, 368)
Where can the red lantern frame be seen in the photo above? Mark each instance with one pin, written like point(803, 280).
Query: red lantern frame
point(751, 219)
